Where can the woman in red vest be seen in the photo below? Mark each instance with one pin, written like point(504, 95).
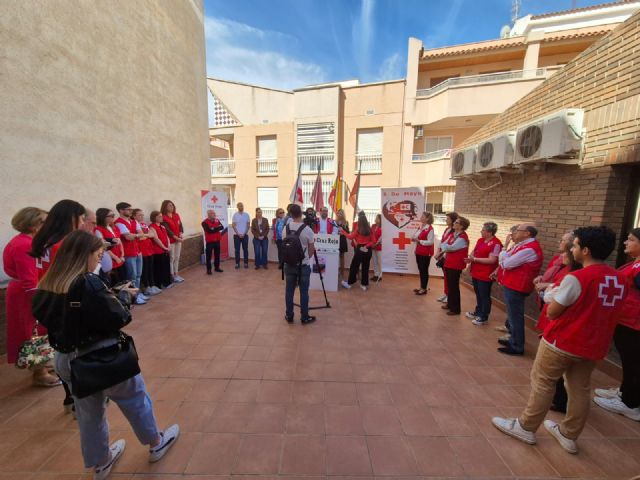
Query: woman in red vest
point(455, 251)
point(145, 245)
point(483, 262)
point(160, 249)
point(105, 219)
point(363, 238)
point(446, 236)
point(376, 250)
point(173, 224)
point(424, 238)
point(625, 400)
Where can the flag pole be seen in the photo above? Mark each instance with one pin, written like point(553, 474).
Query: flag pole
point(355, 208)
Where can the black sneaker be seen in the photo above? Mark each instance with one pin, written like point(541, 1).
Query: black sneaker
point(257, 267)
point(219, 270)
point(209, 272)
point(246, 265)
point(237, 265)
point(309, 319)
point(289, 319)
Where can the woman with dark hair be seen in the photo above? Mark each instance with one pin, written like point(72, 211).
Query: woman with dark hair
point(105, 219)
point(446, 236)
point(160, 249)
point(94, 324)
point(20, 267)
point(455, 251)
point(625, 400)
point(63, 218)
point(363, 240)
point(145, 244)
point(341, 221)
point(173, 224)
point(424, 238)
point(260, 232)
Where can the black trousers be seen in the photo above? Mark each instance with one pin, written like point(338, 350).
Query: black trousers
point(423, 262)
point(363, 259)
point(161, 270)
point(215, 246)
point(279, 246)
point(146, 280)
point(453, 284)
point(627, 341)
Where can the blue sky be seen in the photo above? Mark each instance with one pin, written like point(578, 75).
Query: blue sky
point(292, 43)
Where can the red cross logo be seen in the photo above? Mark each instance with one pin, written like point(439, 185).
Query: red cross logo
point(214, 199)
point(401, 240)
point(610, 291)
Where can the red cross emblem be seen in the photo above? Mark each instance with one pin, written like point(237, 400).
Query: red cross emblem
point(214, 199)
point(610, 291)
point(401, 240)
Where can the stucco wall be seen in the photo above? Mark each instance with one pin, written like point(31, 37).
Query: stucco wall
point(103, 102)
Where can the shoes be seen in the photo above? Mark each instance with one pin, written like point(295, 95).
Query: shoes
point(144, 297)
point(153, 291)
point(246, 265)
point(453, 313)
point(421, 292)
point(219, 270)
point(209, 272)
point(504, 342)
point(505, 337)
point(470, 315)
point(237, 265)
point(288, 318)
point(257, 267)
point(616, 405)
point(511, 426)
point(374, 279)
point(345, 285)
point(608, 392)
point(169, 437)
point(510, 351)
point(46, 380)
point(178, 279)
point(309, 319)
point(479, 321)
point(501, 328)
point(442, 299)
point(140, 300)
point(554, 429)
point(116, 450)
point(363, 287)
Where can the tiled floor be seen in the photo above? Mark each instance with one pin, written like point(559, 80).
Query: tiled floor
point(382, 385)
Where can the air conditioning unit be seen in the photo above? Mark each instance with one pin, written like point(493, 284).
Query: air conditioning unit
point(462, 162)
point(497, 152)
point(555, 138)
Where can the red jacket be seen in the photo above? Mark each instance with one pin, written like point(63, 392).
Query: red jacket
point(161, 233)
point(212, 229)
point(521, 278)
point(630, 316)
point(117, 250)
point(366, 240)
point(455, 260)
point(131, 248)
point(173, 225)
point(316, 226)
point(146, 245)
point(424, 250)
point(483, 249)
point(585, 329)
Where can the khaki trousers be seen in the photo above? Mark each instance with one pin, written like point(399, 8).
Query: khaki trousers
point(548, 367)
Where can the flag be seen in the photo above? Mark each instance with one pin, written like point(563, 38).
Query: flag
point(296, 192)
point(316, 196)
point(335, 197)
point(353, 197)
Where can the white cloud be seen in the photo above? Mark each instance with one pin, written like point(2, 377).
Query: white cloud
point(361, 35)
point(391, 68)
point(440, 36)
point(240, 52)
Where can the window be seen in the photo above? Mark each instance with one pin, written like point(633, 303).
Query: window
point(307, 189)
point(439, 199)
point(267, 162)
point(316, 146)
point(369, 156)
point(435, 144)
point(268, 201)
point(369, 202)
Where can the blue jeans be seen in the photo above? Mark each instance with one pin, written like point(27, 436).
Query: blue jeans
point(133, 269)
point(244, 241)
point(297, 276)
point(514, 301)
point(260, 249)
point(483, 298)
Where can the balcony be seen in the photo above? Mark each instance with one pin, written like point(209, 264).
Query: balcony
point(369, 162)
point(431, 156)
point(309, 163)
point(223, 167)
point(267, 166)
point(269, 213)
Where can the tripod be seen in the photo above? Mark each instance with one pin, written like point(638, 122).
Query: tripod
point(326, 300)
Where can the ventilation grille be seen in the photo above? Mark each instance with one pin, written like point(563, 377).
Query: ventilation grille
point(458, 162)
point(486, 154)
point(529, 141)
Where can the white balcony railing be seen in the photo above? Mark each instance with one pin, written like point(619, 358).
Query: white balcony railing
point(269, 213)
point(223, 167)
point(431, 156)
point(267, 165)
point(369, 162)
point(309, 163)
point(483, 79)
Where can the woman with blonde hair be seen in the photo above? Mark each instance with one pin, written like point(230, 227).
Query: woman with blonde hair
point(424, 238)
point(172, 222)
point(341, 222)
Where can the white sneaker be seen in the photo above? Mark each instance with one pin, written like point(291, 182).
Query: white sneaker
point(554, 429)
point(505, 338)
point(140, 300)
point(501, 328)
point(178, 279)
point(169, 437)
point(470, 315)
point(616, 405)
point(150, 292)
point(442, 299)
point(363, 287)
point(116, 449)
point(144, 297)
point(345, 285)
point(511, 426)
point(479, 321)
point(608, 392)
point(156, 290)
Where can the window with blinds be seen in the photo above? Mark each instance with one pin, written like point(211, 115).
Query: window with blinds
point(435, 144)
point(316, 138)
point(268, 197)
point(369, 202)
point(370, 141)
point(267, 147)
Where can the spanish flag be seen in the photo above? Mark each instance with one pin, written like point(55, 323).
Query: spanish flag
point(335, 196)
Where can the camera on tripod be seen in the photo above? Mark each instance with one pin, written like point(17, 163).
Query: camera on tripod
point(309, 217)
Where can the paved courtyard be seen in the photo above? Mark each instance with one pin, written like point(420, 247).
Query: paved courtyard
point(382, 385)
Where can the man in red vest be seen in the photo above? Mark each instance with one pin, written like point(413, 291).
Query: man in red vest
point(212, 234)
point(323, 224)
point(517, 269)
point(129, 235)
point(583, 316)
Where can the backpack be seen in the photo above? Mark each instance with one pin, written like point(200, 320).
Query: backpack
point(292, 251)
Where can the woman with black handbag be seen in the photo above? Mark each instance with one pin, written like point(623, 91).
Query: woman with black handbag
point(93, 355)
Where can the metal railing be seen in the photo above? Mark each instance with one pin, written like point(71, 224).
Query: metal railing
point(371, 215)
point(369, 162)
point(223, 167)
point(267, 165)
point(482, 79)
point(431, 156)
point(309, 163)
point(269, 213)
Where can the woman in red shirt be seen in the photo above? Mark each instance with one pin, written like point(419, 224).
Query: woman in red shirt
point(160, 249)
point(145, 245)
point(376, 249)
point(446, 236)
point(105, 219)
point(363, 240)
point(173, 224)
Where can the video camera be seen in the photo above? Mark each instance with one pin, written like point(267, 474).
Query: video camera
point(309, 217)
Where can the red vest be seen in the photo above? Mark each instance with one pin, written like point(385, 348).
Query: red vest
point(455, 260)
point(117, 249)
point(631, 309)
point(316, 226)
point(481, 271)
point(173, 222)
point(424, 250)
point(521, 278)
point(131, 248)
point(44, 262)
point(543, 320)
point(146, 247)
point(161, 232)
point(212, 237)
point(586, 328)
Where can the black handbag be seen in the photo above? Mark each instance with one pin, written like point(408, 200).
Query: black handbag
point(104, 367)
point(440, 262)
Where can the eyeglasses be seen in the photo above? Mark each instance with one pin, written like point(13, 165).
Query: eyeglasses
point(111, 215)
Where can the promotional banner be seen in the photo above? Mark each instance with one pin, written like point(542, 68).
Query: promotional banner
point(401, 210)
point(217, 201)
point(328, 250)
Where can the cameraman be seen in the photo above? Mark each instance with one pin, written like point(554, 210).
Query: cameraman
point(310, 219)
point(298, 272)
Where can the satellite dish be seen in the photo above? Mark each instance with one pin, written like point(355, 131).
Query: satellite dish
point(505, 31)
